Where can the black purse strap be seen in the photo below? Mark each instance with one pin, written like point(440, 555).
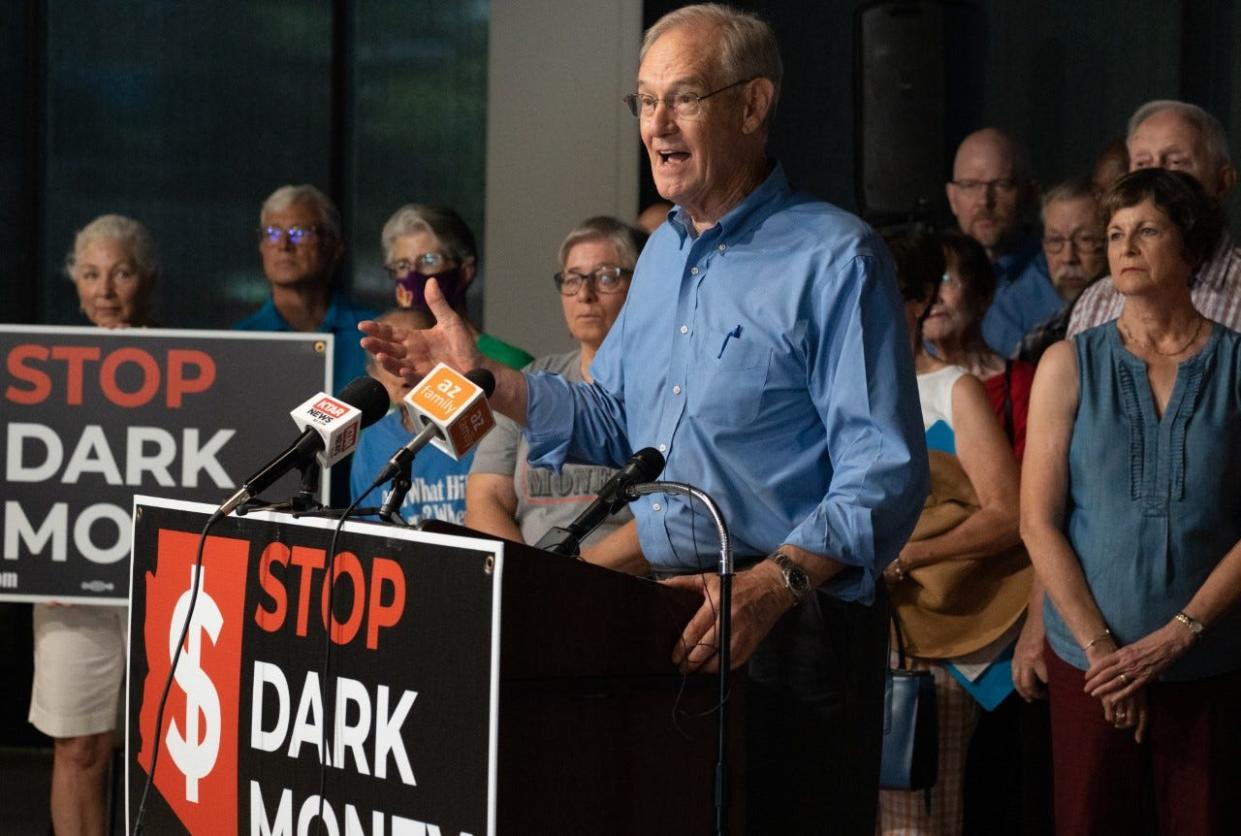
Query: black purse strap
point(900, 640)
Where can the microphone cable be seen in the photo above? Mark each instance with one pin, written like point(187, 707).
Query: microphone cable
point(329, 705)
point(157, 737)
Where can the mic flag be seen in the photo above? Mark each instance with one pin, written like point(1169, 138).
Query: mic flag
point(455, 405)
point(336, 422)
point(330, 427)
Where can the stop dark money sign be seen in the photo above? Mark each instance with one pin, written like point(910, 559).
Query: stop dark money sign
point(90, 417)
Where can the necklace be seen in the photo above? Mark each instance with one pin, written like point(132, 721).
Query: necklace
point(1150, 346)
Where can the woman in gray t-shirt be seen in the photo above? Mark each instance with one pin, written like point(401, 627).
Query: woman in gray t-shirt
point(505, 495)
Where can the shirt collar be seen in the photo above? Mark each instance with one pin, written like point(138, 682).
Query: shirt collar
point(746, 213)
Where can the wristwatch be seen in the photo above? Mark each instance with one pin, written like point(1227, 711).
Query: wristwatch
point(795, 578)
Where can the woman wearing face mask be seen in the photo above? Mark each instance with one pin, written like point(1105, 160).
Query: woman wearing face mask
point(79, 650)
point(421, 242)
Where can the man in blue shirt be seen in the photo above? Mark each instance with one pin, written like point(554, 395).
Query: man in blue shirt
point(300, 244)
point(991, 194)
point(762, 350)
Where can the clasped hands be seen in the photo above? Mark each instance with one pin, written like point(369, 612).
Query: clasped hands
point(1118, 676)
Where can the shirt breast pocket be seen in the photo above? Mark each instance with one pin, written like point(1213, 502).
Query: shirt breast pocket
point(727, 391)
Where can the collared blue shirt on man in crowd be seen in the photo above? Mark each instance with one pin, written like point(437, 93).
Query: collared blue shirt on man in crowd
point(1024, 296)
point(341, 320)
point(767, 359)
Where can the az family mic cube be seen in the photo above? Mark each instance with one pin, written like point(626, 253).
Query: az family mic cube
point(455, 405)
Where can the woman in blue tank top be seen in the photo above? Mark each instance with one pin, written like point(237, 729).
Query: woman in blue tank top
point(1131, 511)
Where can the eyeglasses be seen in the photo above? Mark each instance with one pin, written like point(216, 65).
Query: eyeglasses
point(427, 264)
point(683, 104)
point(603, 280)
point(1007, 185)
point(275, 235)
point(1084, 242)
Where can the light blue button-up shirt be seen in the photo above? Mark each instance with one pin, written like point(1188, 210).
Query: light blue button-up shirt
point(768, 360)
point(1024, 297)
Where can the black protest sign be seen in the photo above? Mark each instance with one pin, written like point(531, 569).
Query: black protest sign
point(93, 416)
point(406, 710)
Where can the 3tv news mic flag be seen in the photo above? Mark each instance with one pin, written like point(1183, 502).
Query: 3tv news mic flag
point(455, 405)
point(330, 430)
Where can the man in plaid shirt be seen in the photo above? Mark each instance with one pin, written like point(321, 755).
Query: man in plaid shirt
point(1183, 137)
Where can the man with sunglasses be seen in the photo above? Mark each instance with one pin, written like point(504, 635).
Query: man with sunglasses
point(300, 244)
point(762, 350)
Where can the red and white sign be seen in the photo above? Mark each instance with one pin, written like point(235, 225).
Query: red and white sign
point(401, 736)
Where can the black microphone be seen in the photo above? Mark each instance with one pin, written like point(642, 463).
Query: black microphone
point(331, 425)
point(642, 466)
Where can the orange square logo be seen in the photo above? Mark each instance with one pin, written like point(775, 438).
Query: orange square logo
point(443, 392)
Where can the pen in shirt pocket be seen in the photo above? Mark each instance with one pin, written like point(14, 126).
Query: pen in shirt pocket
point(736, 332)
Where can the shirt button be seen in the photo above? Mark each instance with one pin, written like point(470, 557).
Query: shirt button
point(663, 448)
point(693, 271)
point(676, 390)
point(684, 329)
point(655, 506)
point(723, 247)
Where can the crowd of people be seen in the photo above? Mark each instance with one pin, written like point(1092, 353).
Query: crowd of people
point(1018, 439)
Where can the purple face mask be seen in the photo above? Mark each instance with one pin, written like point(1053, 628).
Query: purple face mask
point(410, 288)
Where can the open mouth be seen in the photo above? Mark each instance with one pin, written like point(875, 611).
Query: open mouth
point(672, 157)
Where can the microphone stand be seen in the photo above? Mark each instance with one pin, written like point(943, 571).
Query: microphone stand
point(303, 503)
point(723, 629)
point(389, 511)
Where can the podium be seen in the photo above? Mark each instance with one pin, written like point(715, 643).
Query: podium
point(473, 686)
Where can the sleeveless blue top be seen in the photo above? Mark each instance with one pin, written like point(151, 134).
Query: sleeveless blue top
point(1153, 503)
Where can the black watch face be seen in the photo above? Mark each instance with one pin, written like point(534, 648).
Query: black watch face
point(798, 581)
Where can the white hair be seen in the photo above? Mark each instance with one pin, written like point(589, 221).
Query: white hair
point(1209, 129)
point(133, 237)
point(305, 195)
point(748, 47)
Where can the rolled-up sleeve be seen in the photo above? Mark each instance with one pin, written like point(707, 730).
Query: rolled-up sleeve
point(862, 381)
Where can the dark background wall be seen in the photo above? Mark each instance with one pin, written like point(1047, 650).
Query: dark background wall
point(1063, 75)
point(187, 115)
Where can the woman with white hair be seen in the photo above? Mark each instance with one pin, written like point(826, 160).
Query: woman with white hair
point(113, 267)
point(79, 650)
point(423, 242)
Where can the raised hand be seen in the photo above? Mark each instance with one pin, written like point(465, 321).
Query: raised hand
point(413, 353)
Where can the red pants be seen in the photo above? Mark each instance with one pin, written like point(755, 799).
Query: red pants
point(1184, 778)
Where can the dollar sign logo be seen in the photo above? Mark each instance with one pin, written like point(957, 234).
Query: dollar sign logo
point(194, 757)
